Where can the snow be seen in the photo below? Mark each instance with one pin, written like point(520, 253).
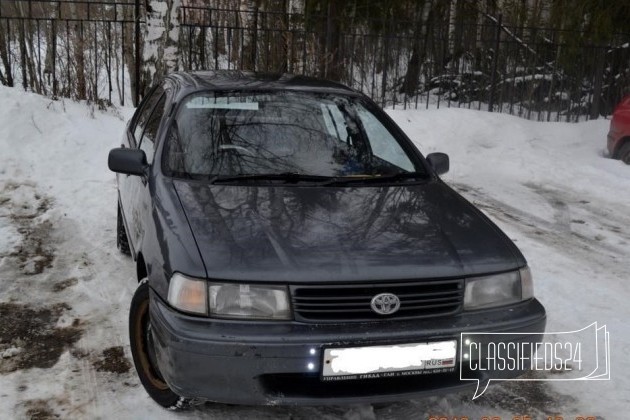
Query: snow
point(547, 185)
point(10, 236)
point(528, 78)
point(10, 352)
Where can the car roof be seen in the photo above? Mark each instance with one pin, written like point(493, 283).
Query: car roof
point(248, 80)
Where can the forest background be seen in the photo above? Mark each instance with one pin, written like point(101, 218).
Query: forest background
point(540, 59)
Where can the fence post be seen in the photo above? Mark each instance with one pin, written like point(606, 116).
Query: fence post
point(495, 59)
point(598, 82)
point(23, 55)
point(136, 94)
point(328, 48)
point(53, 37)
point(254, 40)
point(387, 32)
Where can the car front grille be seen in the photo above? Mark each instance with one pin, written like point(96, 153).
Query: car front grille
point(351, 302)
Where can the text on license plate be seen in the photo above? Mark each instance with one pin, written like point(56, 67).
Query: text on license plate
point(388, 361)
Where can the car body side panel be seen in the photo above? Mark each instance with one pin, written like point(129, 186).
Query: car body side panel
point(127, 190)
point(619, 131)
point(171, 246)
point(155, 222)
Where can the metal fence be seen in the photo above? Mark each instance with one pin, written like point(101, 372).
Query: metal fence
point(92, 49)
point(83, 49)
point(537, 73)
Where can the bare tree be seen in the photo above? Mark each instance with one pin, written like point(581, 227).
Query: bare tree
point(161, 53)
point(78, 48)
point(7, 78)
point(249, 18)
point(412, 77)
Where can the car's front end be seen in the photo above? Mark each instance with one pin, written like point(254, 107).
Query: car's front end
point(290, 294)
point(240, 357)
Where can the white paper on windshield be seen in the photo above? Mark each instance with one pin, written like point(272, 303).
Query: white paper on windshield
point(201, 102)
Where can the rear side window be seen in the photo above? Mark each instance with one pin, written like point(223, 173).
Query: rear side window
point(147, 143)
point(145, 113)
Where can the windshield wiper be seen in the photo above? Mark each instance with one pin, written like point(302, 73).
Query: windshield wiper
point(377, 179)
point(295, 177)
point(288, 177)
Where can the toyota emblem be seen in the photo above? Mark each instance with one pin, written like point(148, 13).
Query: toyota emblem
point(385, 303)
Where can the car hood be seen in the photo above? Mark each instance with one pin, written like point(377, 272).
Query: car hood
point(326, 234)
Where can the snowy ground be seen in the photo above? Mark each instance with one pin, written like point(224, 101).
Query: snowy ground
point(65, 290)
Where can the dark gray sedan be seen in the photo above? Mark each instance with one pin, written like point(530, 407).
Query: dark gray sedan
point(293, 247)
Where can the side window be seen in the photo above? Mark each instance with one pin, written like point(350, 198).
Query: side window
point(147, 143)
point(145, 112)
point(384, 145)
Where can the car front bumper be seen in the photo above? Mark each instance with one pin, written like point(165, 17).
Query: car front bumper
point(269, 363)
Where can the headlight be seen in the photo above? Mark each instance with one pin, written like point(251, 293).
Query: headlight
point(527, 283)
point(231, 300)
point(498, 290)
point(188, 294)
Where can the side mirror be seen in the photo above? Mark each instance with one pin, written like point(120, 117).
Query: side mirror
point(439, 162)
point(127, 161)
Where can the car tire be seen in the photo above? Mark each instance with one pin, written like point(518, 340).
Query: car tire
point(143, 353)
point(122, 242)
point(624, 153)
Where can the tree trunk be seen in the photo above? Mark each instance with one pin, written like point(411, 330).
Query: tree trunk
point(79, 60)
point(334, 60)
point(50, 58)
point(129, 55)
point(23, 58)
point(250, 41)
point(161, 39)
point(32, 56)
point(78, 47)
point(4, 56)
point(412, 77)
point(597, 88)
point(26, 54)
point(277, 19)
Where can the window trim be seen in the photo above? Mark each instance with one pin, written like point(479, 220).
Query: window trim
point(150, 116)
point(142, 136)
point(140, 111)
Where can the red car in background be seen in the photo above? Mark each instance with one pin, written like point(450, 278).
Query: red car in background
point(619, 133)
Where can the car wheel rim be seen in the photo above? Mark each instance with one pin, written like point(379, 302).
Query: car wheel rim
point(146, 349)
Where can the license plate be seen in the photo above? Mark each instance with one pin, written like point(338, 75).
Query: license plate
point(388, 361)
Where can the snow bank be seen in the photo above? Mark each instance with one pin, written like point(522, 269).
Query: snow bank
point(500, 152)
point(550, 187)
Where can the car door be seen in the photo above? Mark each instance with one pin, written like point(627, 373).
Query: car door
point(131, 187)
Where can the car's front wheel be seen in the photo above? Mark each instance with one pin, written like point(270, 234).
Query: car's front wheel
point(143, 352)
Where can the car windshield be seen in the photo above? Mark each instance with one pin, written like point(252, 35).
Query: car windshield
point(228, 134)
